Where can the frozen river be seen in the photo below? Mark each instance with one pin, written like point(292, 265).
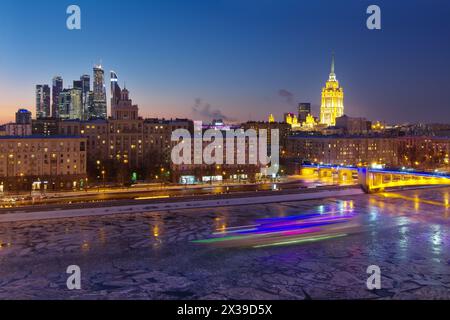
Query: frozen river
point(318, 249)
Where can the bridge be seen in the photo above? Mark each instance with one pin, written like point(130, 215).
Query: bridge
point(377, 180)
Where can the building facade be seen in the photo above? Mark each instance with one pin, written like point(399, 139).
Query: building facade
point(416, 152)
point(23, 116)
point(125, 143)
point(42, 163)
point(304, 110)
point(353, 126)
point(351, 151)
point(44, 127)
point(18, 129)
point(244, 165)
point(284, 130)
point(121, 147)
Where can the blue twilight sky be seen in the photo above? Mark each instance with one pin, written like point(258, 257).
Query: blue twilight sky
point(236, 55)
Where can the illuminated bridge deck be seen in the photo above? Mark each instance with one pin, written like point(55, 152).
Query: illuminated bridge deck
point(377, 180)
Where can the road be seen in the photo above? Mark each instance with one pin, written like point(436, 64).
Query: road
point(245, 252)
point(142, 196)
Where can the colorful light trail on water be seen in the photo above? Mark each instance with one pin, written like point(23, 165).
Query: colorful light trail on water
point(289, 230)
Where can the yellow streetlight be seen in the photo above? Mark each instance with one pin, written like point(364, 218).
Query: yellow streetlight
point(103, 175)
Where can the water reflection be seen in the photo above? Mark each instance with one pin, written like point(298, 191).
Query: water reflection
point(156, 230)
point(436, 238)
point(102, 235)
point(220, 224)
point(5, 244)
point(156, 233)
point(403, 242)
point(85, 246)
point(373, 213)
point(416, 203)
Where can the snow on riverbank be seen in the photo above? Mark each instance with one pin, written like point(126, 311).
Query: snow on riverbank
point(75, 213)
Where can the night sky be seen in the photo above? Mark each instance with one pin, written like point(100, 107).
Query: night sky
point(238, 59)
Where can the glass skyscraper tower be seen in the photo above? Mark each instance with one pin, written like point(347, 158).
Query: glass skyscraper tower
point(115, 91)
point(85, 88)
point(57, 88)
point(99, 108)
point(42, 101)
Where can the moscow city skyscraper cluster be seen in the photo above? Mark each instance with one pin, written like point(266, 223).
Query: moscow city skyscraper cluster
point(76, 102)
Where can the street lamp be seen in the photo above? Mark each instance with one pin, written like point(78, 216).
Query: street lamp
point(103, 175)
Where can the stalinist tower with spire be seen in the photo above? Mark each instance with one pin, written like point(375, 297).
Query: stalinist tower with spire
point(332, 100)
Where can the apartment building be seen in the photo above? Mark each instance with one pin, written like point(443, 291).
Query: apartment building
point(42, 163)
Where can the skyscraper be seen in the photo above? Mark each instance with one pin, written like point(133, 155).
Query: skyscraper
point(57, 87)
point(71, 104)
point(332, 100)
point(64, 104)
point(115, 91)
point(86, 88)
point(86, 79)
point(90, 106)
point(78, 84)
point(42, 101)
point(76, 104)
point(99, 108)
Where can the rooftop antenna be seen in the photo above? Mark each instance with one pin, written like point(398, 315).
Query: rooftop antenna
point(332, 62)
point(332, 74)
